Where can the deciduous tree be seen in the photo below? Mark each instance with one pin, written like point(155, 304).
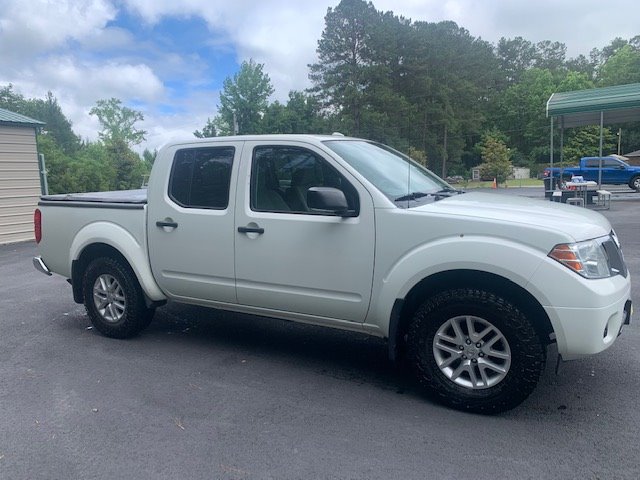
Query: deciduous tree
point(621, 68)
point(118, 122)
point(495, 157)
point(585, 142)
point(243, 101)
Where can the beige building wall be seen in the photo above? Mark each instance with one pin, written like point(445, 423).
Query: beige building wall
point(19, 183)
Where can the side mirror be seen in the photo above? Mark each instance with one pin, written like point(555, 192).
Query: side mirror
point(329, 200)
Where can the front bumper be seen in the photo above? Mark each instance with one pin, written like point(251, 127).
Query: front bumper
point(586, 314)
point(39, 265)
point(587, 331)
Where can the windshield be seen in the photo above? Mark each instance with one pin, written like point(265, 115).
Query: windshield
point(394, 174)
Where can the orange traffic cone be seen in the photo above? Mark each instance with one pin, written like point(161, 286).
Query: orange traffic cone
point(495, 184)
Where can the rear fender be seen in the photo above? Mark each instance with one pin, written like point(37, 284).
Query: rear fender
point(120, 239)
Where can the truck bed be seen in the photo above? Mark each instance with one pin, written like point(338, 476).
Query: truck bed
point(129, 198)
point(82, 217)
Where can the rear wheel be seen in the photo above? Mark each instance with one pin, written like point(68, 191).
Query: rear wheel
point(474, 350)
point(114, 300)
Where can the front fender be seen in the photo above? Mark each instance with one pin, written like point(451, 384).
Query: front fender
point(505, 258)
point(119, 238)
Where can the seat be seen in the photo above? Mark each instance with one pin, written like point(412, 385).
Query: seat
point(302, 179)
point(577, 201)
point(268, 194)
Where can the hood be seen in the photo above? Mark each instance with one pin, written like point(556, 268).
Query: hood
point(575, 222)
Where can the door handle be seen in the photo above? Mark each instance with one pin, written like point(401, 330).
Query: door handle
point(166, 224)
point(257, 230)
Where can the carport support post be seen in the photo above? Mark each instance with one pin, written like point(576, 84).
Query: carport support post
point(600, 161)
point(561, 146)
point(551, 185)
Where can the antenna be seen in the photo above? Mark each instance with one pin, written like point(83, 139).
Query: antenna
point(408, 181)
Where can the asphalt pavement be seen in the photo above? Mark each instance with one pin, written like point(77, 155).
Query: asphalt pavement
point(204, 394)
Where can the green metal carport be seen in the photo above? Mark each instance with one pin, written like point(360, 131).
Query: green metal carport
point(608, 105)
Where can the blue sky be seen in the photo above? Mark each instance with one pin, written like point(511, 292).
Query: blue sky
point(207, 60)
point(168, 58)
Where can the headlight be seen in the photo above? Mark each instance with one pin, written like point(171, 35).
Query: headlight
point(588, 258)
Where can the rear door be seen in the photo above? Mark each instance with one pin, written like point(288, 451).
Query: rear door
point(191, 222)
point(290, 258)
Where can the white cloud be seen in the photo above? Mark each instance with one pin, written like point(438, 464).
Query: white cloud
point(35, 26)
point(286, 45)
point(92, 81)
point(79, 85)
point(282, 34)
point(580, 24)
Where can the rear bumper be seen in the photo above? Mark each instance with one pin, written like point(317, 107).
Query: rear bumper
point(39, 265)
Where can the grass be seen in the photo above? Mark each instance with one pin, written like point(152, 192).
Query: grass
point(520, 182)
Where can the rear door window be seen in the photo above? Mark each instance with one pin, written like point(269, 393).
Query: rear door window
point(200, 177)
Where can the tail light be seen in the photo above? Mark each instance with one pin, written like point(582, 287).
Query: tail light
point(37, 225)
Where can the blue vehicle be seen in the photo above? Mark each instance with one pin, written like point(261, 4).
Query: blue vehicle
point(614, 171)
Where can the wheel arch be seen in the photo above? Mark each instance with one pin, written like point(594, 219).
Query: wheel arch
point(404, 309)
point(96, 250)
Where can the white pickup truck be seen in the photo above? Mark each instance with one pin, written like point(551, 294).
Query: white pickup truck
point(469, 289)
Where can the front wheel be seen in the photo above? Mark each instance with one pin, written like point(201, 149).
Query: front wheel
point(114, 300)
point(635, 183)
point(474, 350)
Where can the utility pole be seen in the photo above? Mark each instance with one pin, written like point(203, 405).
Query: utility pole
point(444, 153)
point(619, 139)
point(235, 124)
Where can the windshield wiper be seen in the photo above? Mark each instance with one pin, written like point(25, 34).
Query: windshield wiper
point(447, 190)
point(411, 196)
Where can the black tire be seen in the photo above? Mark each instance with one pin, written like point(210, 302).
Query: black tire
point(634, 183)
point(125, 314)
point(523, 345)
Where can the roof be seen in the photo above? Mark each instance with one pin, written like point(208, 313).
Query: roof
point(15, 119)
point(635, 153)
point(309, 137)
point(582, 107)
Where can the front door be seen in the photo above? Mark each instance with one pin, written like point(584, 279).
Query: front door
point(290, 258)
